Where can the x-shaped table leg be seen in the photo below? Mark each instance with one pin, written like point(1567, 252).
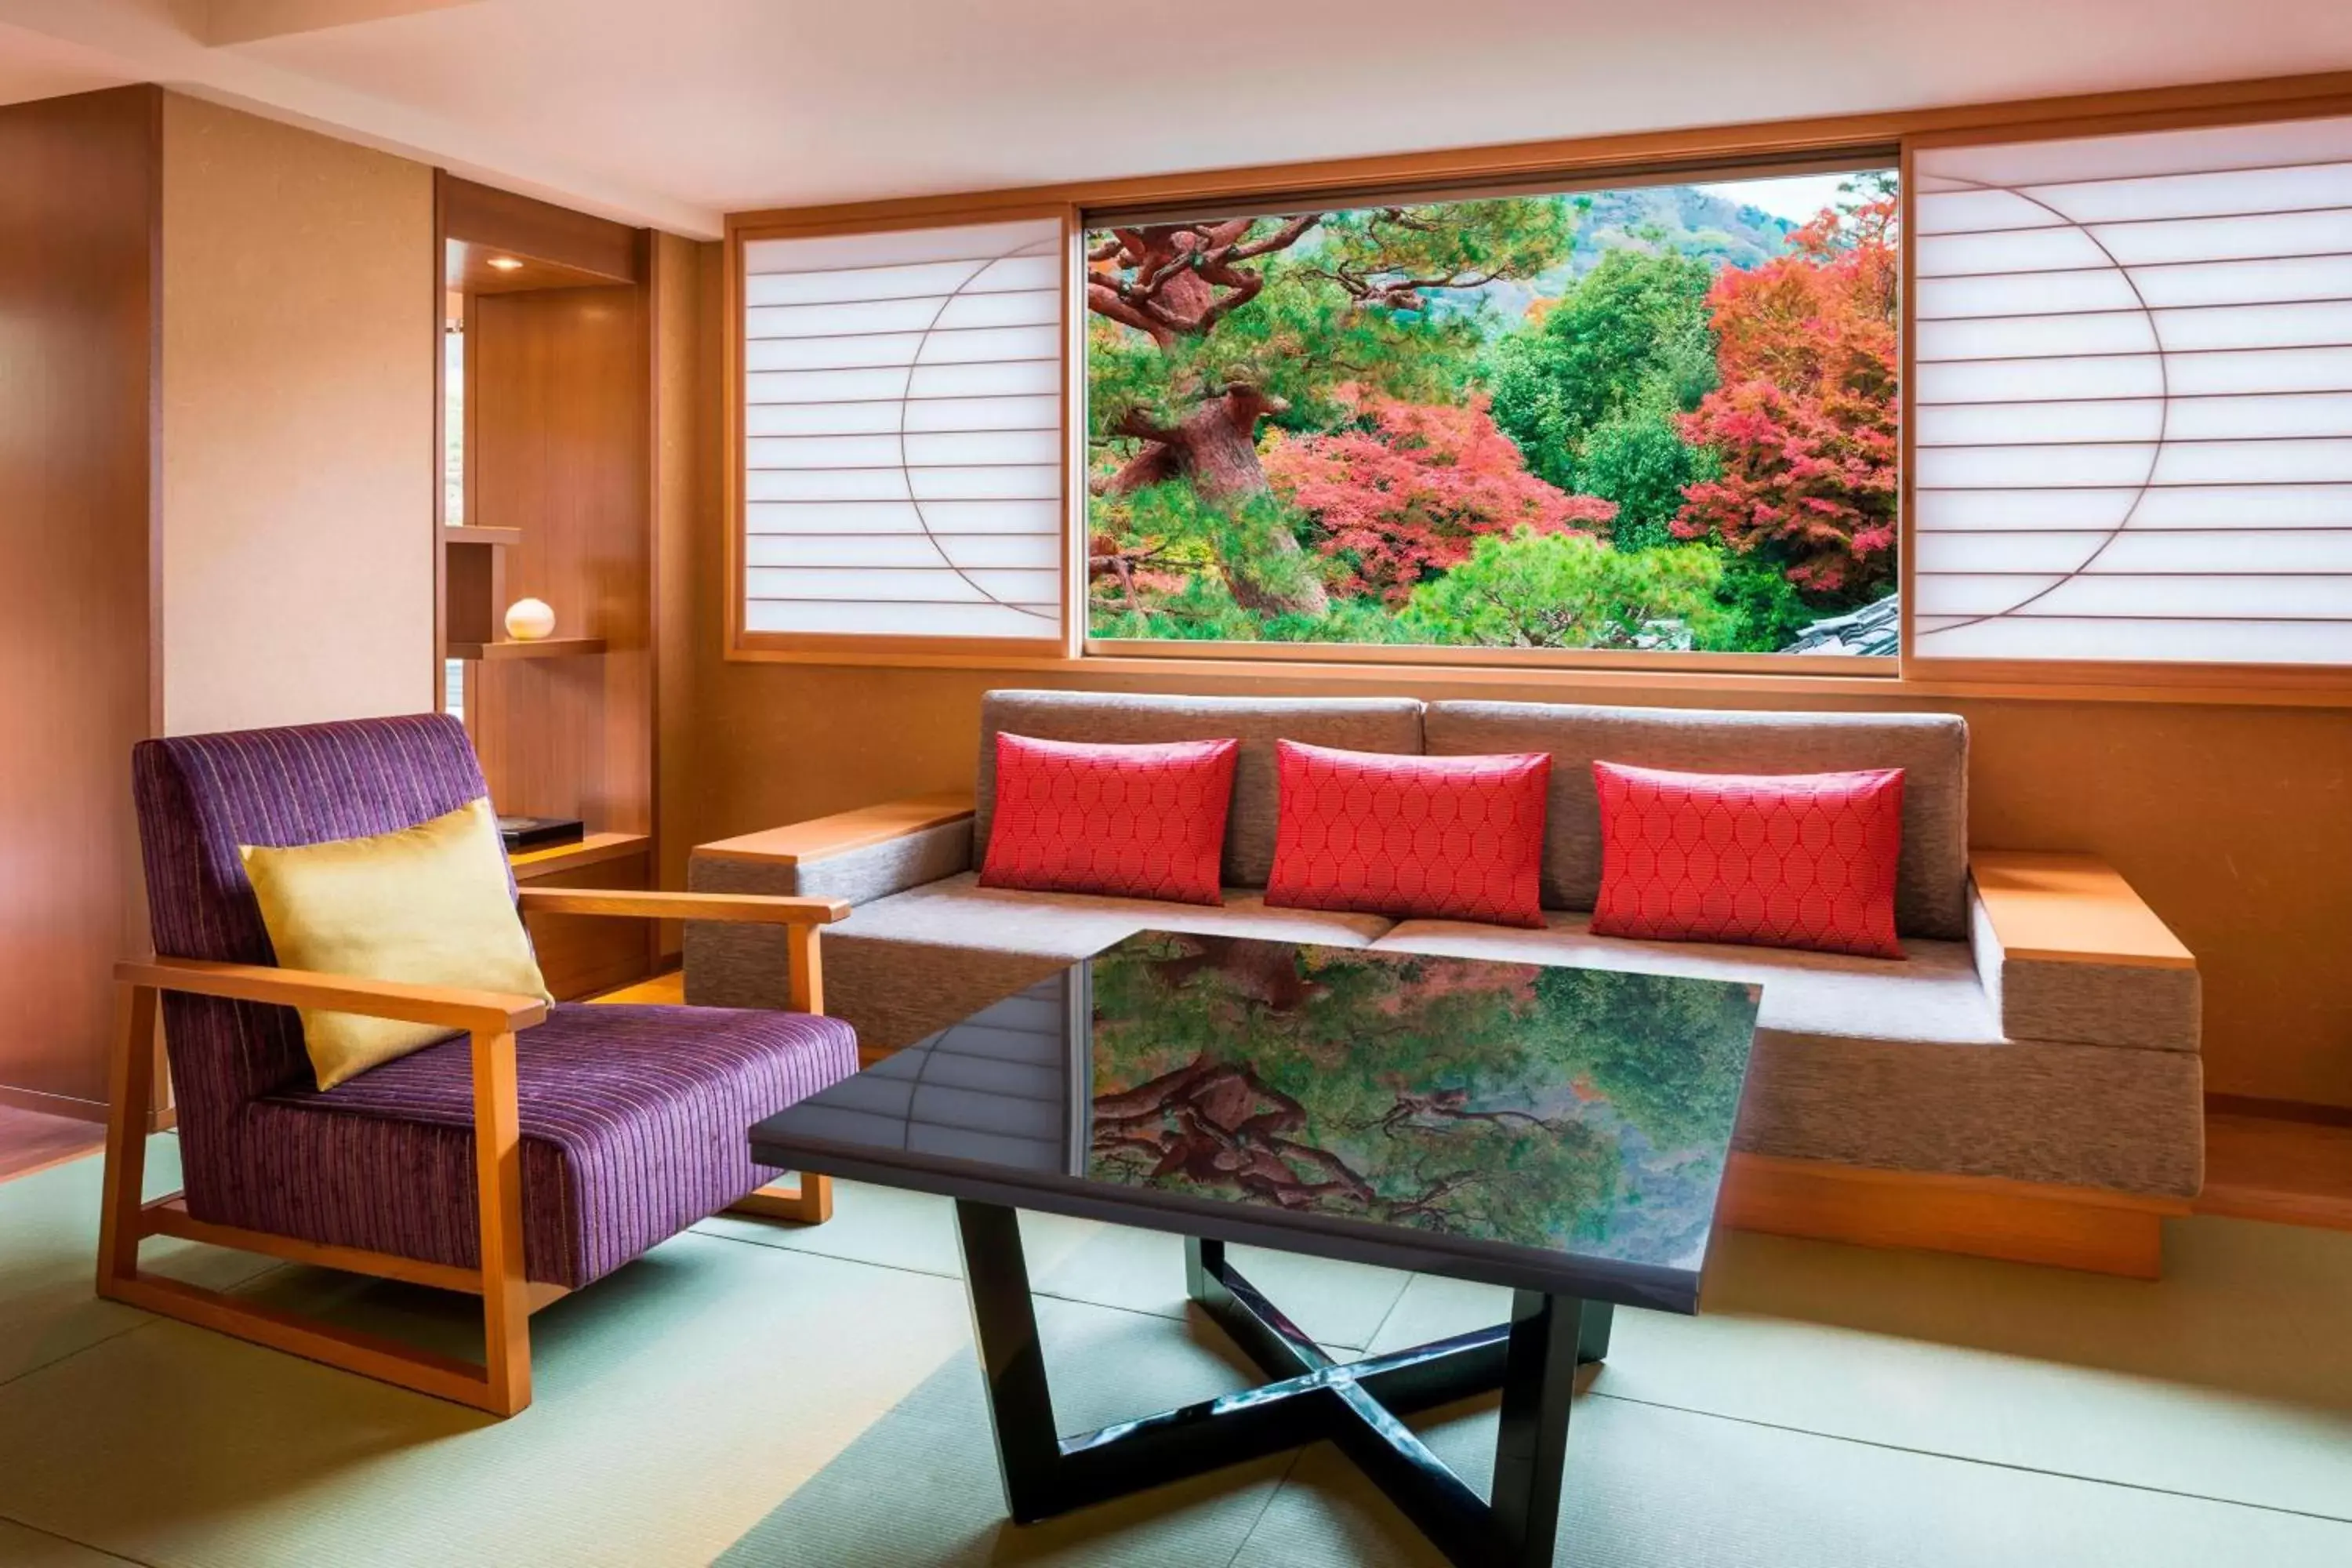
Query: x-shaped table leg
point(1358, 1405)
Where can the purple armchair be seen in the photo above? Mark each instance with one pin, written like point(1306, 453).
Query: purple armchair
point(537, 1150)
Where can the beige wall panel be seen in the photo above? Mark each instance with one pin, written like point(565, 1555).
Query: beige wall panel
point(298, 466)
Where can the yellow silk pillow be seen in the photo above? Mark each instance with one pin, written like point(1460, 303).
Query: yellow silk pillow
point(428, 904)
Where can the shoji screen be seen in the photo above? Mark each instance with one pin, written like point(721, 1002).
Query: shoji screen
point(2133, 375)
point(902, 433)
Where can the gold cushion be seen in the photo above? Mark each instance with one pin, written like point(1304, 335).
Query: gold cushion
point(428, 904)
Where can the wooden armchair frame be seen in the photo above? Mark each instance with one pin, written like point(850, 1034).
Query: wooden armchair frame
point(501, 1385)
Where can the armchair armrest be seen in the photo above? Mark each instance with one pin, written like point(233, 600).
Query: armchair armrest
point(453, 1007)
point(2068, 952)
point(755, 907)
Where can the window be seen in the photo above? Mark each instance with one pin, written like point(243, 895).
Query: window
point(1659, 419)
point(902, 441)
point(2133, 371)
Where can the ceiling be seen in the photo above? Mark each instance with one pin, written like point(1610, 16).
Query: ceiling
point(672, 112)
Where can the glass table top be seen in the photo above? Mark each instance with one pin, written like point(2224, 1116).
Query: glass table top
point(1518, 1121)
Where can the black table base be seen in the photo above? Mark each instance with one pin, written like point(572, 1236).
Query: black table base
point(1358, 1405)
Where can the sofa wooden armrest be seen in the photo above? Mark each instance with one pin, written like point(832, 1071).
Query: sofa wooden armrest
point(2070, 909)
point(849, 858)
point(2068, 952)
point(802, 842)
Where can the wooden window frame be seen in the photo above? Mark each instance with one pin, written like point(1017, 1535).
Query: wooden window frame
point(1587, 162)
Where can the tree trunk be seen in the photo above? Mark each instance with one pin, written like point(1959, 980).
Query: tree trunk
point(1216, 449)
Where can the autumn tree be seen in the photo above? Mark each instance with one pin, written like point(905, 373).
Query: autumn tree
point(1404, 491)
point(1804, 423)
point(1206, 330)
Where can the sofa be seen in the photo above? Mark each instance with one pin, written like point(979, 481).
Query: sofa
point(2024, 1083)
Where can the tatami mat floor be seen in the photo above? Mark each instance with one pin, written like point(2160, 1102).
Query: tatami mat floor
point(755, 1394)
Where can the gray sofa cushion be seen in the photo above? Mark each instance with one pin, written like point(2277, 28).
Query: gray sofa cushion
point(1902, 1065)
point(1350, 723)
point(1932, 996)
point(906, 966)
point(1931, 889)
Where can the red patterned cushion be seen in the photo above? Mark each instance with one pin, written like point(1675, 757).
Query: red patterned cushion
point(1139, 822)
point(1772, 859)
point(1451, 838)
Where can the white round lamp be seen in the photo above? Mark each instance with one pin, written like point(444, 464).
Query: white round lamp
point(528, 620)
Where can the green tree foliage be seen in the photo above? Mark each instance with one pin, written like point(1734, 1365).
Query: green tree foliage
point(1762, 610)
point(1555, 590)
point(1630, 337)
point(1640, 461)
point(1669, 1054)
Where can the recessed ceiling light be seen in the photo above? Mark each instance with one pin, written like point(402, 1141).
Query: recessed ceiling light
point(505, 263)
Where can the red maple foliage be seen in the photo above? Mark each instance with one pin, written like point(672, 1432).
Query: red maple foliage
point(1407, 496)
point(1804, 418)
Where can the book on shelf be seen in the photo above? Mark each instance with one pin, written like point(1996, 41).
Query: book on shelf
point(540, 832)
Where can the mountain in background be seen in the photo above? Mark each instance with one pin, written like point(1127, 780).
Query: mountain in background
point(1670, 217)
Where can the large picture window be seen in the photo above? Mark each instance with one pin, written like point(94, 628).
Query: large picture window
point(1658, 419)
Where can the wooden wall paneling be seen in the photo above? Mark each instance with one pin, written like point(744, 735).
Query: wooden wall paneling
point(558, 412)
point(581, 955)
point(482, 219)
point(80, 209)
point(440, 438)
point(678, 377)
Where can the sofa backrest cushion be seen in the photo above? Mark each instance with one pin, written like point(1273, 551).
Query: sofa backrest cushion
point(1932, 750)
point(1349, 723)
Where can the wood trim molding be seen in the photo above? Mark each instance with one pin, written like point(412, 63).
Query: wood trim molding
point(1606, 156)
point(1980, 1217)
point(821, 837)
point(2070, 909)
point(480, 214)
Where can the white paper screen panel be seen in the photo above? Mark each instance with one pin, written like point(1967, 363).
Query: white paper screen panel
point(902, 433)
point(2132, 392)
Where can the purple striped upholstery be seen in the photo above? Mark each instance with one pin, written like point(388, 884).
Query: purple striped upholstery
point(633, 1118)
point(633, 1122)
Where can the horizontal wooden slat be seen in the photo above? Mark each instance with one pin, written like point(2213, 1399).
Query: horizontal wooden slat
point(740, 907)
point(595, 849)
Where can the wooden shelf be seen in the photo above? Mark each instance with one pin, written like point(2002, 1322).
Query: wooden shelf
point(496, 538)
point(545, 647)
point(597, 847)
point(2281, 1168)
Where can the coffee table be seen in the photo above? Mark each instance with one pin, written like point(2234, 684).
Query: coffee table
point(1559, 1132)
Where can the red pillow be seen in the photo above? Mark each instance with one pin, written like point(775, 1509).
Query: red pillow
point(1447, 838)
point(1139, 822)
point(1774, 859)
